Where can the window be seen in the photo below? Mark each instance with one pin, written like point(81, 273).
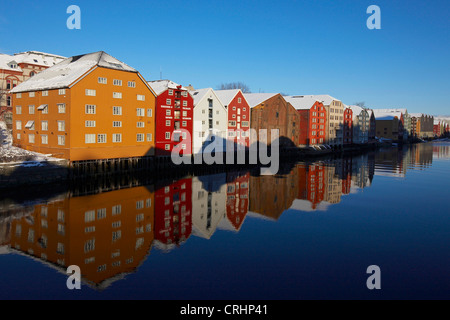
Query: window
point(168, 112)
point(131, 84)
point(140, 137)
point(61, 140)
point(167, 147)
point(89, 138)
point(149, 112)
point(168, 101)
point(184, 93)
point(90, 124)
point(239, 100)
point(117, 82)
point(117, 95)
point(184, 103)
point(170, 92)
point(61, 108)
point(140, 112)
point(31, 138)
point(90, 109)
point(140, 124)
point(18, 110)
point(19, 95)
point(102, 80)
point(44, 125)
point(62, 92)
point(184, 123)
point(91, 92)
point(232, 123)
point(184, 113)
point(117, 111)
point(168, 123)
point(117, 137)
point(61, 125)
point(117, 124)
point(31, 94)
point(101, 138)
point(116, 209)
point(140, 97)
point(18, 125)
point(45, 93)
point(30, 125)
point(31, 109)
point(43, 108)
point(167, 135)
point(149, 137)
point(244, 123)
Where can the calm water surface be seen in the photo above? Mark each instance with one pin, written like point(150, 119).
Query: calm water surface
point(308, 233)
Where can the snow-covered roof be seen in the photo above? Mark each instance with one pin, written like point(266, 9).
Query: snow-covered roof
point(325, 99)
point(254, 99)
point(6, 61)
point(199, 94)
point(301, 102)
point(63, 74)
point(305, 205)
point(159, 86)
point(226, 96)
point(38, 58)
point(419, 115)
point(379, 114)
point(357, 111)
point(402, 110)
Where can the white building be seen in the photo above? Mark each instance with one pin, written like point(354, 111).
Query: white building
point(210, 122)
point(361, 125)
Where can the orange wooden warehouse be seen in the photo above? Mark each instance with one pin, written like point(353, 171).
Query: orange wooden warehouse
point(86, 107)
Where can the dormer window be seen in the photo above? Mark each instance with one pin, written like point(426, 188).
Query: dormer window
point(13, 65)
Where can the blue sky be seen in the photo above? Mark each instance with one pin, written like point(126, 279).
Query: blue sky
point(294, 47)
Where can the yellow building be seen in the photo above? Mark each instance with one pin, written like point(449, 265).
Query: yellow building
point(86, 107)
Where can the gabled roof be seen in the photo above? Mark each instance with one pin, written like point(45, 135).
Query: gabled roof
point(5, 61)
point(199, 94)
point(226, 96)
point(379, 113)
point(254, 99)
point(325, 99)
point(159, 86)
point(63, 74)
point(38, 58)
point(301, 102)
point(402, 110)
point(357, 110)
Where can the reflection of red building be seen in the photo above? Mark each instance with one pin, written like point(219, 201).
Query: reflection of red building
point(311, 184)
point(348, 126)
point(174, 118)
point(173, 213)
point(237, 199)
point(346, 175)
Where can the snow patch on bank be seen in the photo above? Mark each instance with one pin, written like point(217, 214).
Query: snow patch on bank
point(17, 156)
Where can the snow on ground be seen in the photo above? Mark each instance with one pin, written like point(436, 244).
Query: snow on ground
point(11, 154)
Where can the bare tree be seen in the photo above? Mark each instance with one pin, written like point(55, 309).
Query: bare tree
point(234, 85)
point(360, 104)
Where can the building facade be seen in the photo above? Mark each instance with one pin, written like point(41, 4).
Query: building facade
point(174, 118)
point(270, 111)
point(87, 107)
point(361, 125)
point(348, 126)
point(238, 115)
point(313, 120)
point(210, 122)
point(16, 69)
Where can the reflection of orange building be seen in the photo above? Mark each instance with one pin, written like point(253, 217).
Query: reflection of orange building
point(270, 196)
point(237, 199)
point(105, 234)
point(173, 217)
point(311, 185)
point(346, 175)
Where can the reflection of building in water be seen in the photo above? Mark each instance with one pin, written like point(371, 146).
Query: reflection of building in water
point(237, 201)
point(346, 175)
point(270, 196)
point(421, 155)
point(441, 151)
point(390, 163)
point(173, 214)
point(311, 183)
point(361, 171)
point(333, 185)
point(209, 195)
point(106, 235)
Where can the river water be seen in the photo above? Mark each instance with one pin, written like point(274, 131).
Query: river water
point(309, 232)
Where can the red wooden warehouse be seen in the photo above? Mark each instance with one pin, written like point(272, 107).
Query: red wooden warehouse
point(174, 118)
